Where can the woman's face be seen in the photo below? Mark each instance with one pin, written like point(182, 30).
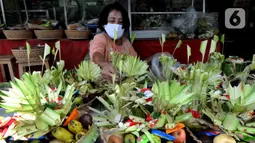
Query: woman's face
point(115, 17)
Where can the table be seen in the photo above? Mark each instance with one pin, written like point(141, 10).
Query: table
point(23, 64)
point(74, 51)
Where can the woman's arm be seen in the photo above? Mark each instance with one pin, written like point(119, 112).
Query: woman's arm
point(97, 50)
point(107, 69)
point(99, 59)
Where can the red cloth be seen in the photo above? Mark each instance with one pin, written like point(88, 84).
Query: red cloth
point(146, 48)
point(73, 52)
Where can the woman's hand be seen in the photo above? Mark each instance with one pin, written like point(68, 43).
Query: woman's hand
point(108, 72)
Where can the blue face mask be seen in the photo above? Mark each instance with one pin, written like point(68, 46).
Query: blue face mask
point(109, 28)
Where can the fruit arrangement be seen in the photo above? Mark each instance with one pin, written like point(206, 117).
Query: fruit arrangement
point(162, 103)
point(75, 131)
point(76, 26)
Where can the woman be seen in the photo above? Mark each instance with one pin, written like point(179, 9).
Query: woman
point(113, 16)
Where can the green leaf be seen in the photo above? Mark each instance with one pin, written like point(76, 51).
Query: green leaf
point(88, 71)
point(213, 46)
point(28, 49)
point(133, 38)
point(133, 66)
point(113, 79)
point(46, 51)
point(163, 38)
point(178, 45)
point(253, 59)
point(216, 38)
point(53, 51)
point(57, 45)
point(222, 38)
point(105, 103)
point(149, 136)
point(115, 34)
point(188, 52)
point(203, 48)
point(28, 55)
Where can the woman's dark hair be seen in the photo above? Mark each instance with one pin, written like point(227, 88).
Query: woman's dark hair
point(103, 19)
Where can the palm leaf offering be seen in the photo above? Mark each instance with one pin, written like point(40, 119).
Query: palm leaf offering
point(242, 97)
point(55, 75)
point(147, 103)
point(88, 71)
point(233, 65)
point(171, 96)
point(88, 76)
point(133, 66)
point(129, 67)
point(116, 58)
point(114, 112)
point(216, 59)
point(45, 109)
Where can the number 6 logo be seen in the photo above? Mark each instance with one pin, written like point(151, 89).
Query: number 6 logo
point(235, 18)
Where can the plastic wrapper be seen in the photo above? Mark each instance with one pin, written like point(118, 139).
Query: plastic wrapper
point(157, 67)
point(207, 25)
point(187, 23)
point(152, 22)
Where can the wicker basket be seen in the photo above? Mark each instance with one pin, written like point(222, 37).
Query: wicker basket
point(18, 34)
point(75, 34)
point(49, 34)
point(21, 53)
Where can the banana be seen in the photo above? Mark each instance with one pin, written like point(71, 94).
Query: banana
point(62, 134)
point(79, 135)
point(75, 126)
